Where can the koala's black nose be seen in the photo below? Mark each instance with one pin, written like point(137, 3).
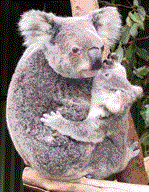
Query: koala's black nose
point(95, 58)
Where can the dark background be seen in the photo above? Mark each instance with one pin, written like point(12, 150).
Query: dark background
point(11, 165)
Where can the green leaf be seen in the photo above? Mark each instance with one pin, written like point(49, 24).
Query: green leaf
point(145, 138)
point(129, 51)
point(126, 64)
point(135, 2)
point(146, 141)
point(138, 19)
point(135, 17)
point(120, 53)
point(141, 72)
point(141, 13)
point(134, 30)
point(133, 61)
point(141, 10)
point(128, 21)
point(141, 17)
point(142, 53)
point(141, 26)
point(145, 115)
point(125, 35)
point(130, 55)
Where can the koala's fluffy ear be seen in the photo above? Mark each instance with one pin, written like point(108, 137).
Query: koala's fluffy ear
point(36, 26)
point(107, 22)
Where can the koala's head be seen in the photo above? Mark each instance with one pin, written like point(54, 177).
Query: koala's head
point(73, 46)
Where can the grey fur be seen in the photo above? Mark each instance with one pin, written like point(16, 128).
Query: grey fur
point(112, 96)
point(50, 77)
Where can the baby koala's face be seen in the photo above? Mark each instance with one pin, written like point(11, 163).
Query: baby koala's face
point(112, 92)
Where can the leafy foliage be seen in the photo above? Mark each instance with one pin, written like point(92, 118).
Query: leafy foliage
point(145, 143)
point(136, 60)
point(128, 52)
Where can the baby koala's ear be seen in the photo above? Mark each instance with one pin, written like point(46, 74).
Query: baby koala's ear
point(36, 26)
point(138, 91)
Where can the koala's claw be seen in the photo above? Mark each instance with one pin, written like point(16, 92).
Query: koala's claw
point(46, 116)
point(55, 114)
point(113, 56)
point(133, 144)
point(131, 152)
point(49, 119)
point(108, 62)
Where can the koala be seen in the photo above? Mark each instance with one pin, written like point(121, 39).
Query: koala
point(56, 73)
point(112, 97)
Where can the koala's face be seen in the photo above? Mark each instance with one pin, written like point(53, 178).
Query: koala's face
point(73, 46)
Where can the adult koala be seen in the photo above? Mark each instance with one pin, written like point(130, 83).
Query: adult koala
point(55, 74)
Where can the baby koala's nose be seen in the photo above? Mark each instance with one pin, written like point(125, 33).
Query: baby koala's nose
point(95, 58)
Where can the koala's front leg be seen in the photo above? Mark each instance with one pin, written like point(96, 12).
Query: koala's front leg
point(86, 131)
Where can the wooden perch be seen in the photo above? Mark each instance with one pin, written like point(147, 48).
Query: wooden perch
point(35, 181)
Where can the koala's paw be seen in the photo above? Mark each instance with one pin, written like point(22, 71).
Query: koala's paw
point(50, 119)
point(111, 58)
point(131, 149)
point(131, 152)
point(98, 113)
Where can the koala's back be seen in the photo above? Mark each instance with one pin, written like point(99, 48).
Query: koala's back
point(31, 93)
point(36, 89)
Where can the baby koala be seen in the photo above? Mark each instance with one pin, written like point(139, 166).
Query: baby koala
point(112, 97)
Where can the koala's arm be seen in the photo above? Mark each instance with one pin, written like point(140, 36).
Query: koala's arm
point(87, 130)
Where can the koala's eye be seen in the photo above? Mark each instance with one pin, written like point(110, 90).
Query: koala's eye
point(76, 50)
point(107, 75)
point(102, 48)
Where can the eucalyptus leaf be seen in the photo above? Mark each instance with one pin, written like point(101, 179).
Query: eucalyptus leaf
point(125, 35)
point(128, 21)
point(129, 51)
point(145, 138)
point(142, 53)
point(134, 30)
point(128, 67)
point(135, 17)
point(145, 115)
point(130, 54)
point(141, 10)
point(141, 26)
point(138, 19)
point(141, 13)
point(133, 61)
point(141, 72)
point(120, 53)
point(146, 141)
point(135, 2)
point(142, 17)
